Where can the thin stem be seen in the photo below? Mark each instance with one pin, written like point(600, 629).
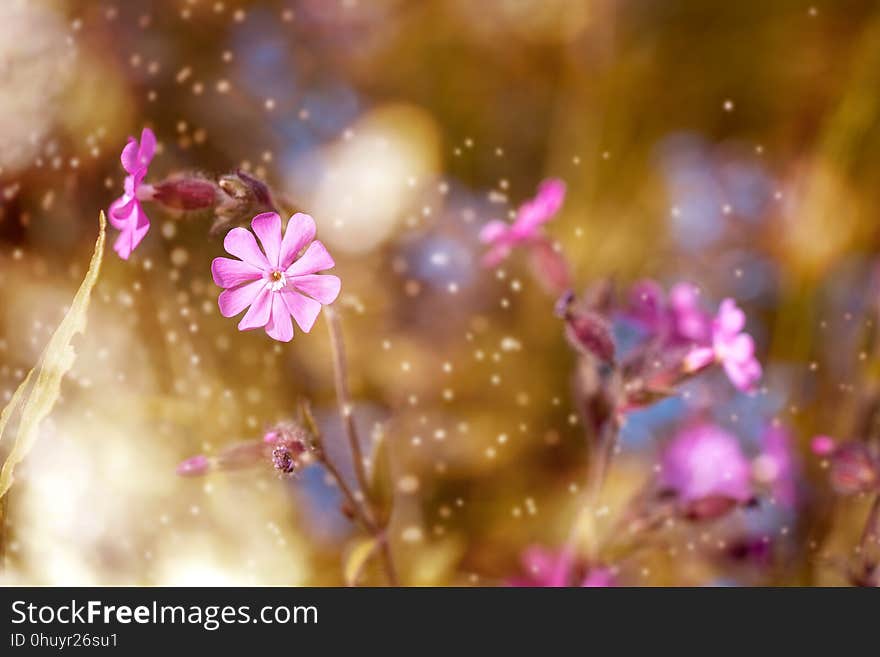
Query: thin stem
point(598, 471)
point(343, 396)
point(358, 511)
point(872, 525)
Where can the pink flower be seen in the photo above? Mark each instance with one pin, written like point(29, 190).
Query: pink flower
point(126, 213)
point(732, 348)
point(534, 213)
point(707, 470)
point(276, 282)
point(550, 569)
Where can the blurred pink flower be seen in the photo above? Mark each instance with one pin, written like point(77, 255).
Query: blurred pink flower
point(707, 470)
point(551, 569)
point(731, 347)
point(534, 213)
point(126, 213)
point(276, 282)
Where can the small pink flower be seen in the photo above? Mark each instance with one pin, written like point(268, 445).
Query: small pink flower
point(731, 347)
point(126, 213)
point(704, 462)
point(534, 213)
point(276, 282)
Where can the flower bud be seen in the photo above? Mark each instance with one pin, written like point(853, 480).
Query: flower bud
point(194, 466)
point(853, 469)
point(283, 459)
point(186, 193)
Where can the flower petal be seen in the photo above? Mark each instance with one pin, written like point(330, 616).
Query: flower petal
point(743, 374)
point(267, 226)
point(304, 310)
point(236, 299)
point(129, 156)
point(229, 273)
point(315, 259)
point(147, 147)
point(240, 242)
point(698, 358)
point(493, 231)
point(541, 209)
point(130, 238)
point(257, 315)
point(730, 319)
point(279, 327)
point(321, 287)
point(740, 349)
point(120, 211)
point(299, 232)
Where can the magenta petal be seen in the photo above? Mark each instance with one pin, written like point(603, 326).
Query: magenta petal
point(241, 243)
point(300, 231)
point(321, 287)
point(730, 319)
point(129, 156)
point(234, 300)
point(229, 273)
point(740, 349)
point(315, 259)
point(698, 358)
point(120, 211)
point(492, 231)
point(539, 210)
point(129, 239)
point(258, 314)
point(279, 327)
point(267, 226)
point(147, 147)
point(743, 374)
point(304, 310)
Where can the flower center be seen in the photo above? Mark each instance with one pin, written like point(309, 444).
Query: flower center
point(277, 280)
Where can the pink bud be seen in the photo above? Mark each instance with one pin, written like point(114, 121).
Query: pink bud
point(194, 466)
point(822, 445)
point(186, 193)
point(853, 469)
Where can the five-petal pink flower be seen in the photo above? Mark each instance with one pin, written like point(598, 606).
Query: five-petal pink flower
point(279, 281)
point(731, 347)
point(534, 213)
point(126, 213)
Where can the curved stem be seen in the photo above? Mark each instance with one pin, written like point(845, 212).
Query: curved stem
point(343, 396)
